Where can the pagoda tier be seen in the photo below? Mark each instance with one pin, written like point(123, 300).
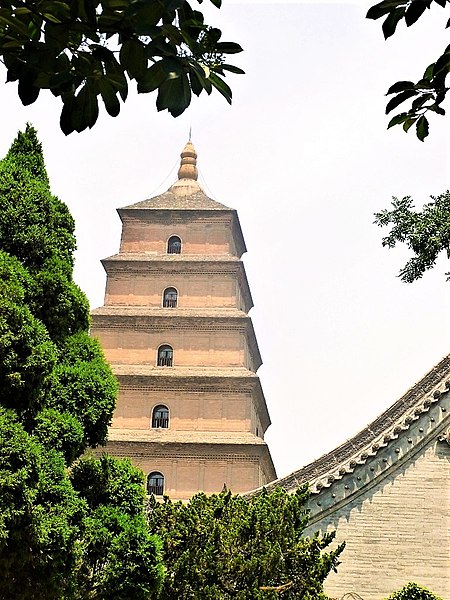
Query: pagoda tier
point(191, 412)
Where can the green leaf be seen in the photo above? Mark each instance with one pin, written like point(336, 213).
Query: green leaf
point(437, 109)
point(390, 24)
point(415, 11)
point(228, 48)
point(429, 72)
point(221, 86)
point(109, 97)
point(442, 64)
point(232, 69)
point(422, 128)
point(217, 3)
point(408, 123)
point(28, 92)
point(84, 109)
point(133, 58)
point(171, 5)
point(400, 118)
point(174, 95)
point(152, 79)
point(167, 68)
point(382, 8)
point(198, 78)
point(420, 101)
point(394, 102)
point(400, 86)
point(65, 120)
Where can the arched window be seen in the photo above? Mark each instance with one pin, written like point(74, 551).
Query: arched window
point(170, 298)
point(174, 245)
point(155, 483)
point(160, 416)
point(165, 356)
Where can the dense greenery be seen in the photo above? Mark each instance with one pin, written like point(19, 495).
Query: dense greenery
point(90, 49)
point(429, 92)
point(222, 547)
point(412, 591)
point(74, 528)
point(61, 537)
point(426, 232)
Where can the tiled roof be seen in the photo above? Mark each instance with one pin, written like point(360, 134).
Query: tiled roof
point(385, 430)
point(174, 201)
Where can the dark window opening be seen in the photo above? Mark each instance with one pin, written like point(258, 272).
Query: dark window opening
point(155, 483)
point(165, 356)
point(174, 245)
point(160, 416)
point(170, 298)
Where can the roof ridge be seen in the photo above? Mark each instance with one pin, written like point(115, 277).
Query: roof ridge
point(343, 459)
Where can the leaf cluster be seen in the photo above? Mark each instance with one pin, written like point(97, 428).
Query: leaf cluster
point(429, 92)
point(222, 547)
point(412, 591)
point(61, 537)
point(425, 232)
point(88, 50)
point(121, 560)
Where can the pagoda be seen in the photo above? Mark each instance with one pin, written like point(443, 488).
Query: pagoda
point(175, 328)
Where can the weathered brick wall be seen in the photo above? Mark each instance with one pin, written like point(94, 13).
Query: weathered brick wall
point(397, 531)
point(188, 470)
point(208, 235)
point(189, 411)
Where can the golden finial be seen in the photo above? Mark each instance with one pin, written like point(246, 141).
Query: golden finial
point(188, 166)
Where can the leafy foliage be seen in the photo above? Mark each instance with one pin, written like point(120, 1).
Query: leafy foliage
point(223, 546)
point(121, 559)
point(412, 591)
point(41, 517)
point(90, 49)
point(426, 233)
point(430, 91)
point(59, 537)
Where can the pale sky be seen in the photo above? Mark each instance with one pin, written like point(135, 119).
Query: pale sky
point(303, 154)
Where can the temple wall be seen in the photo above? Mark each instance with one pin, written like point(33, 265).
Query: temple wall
point(396, 531)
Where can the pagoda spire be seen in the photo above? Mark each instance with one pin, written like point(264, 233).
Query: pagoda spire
point(188, 166)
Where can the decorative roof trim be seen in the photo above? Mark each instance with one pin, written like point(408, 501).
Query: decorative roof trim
point(387, 430)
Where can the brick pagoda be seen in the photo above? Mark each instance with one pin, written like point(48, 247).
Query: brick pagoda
point(191, 412)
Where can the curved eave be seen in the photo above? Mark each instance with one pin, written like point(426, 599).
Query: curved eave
point(416, 419)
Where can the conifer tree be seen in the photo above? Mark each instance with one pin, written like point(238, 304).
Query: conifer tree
point(57, 395)
point(225, 547)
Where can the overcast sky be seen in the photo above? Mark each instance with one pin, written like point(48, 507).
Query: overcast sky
point(303, 154)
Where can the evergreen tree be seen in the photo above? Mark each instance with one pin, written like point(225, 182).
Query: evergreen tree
point(412, 591)
point(57, 396)
point(225, 547)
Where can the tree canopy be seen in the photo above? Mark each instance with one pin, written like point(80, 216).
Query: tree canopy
point(61, 536)
point(425, 232)
point(429, 92)
point(90, 49)
point(412, 591)
point(224, 547)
